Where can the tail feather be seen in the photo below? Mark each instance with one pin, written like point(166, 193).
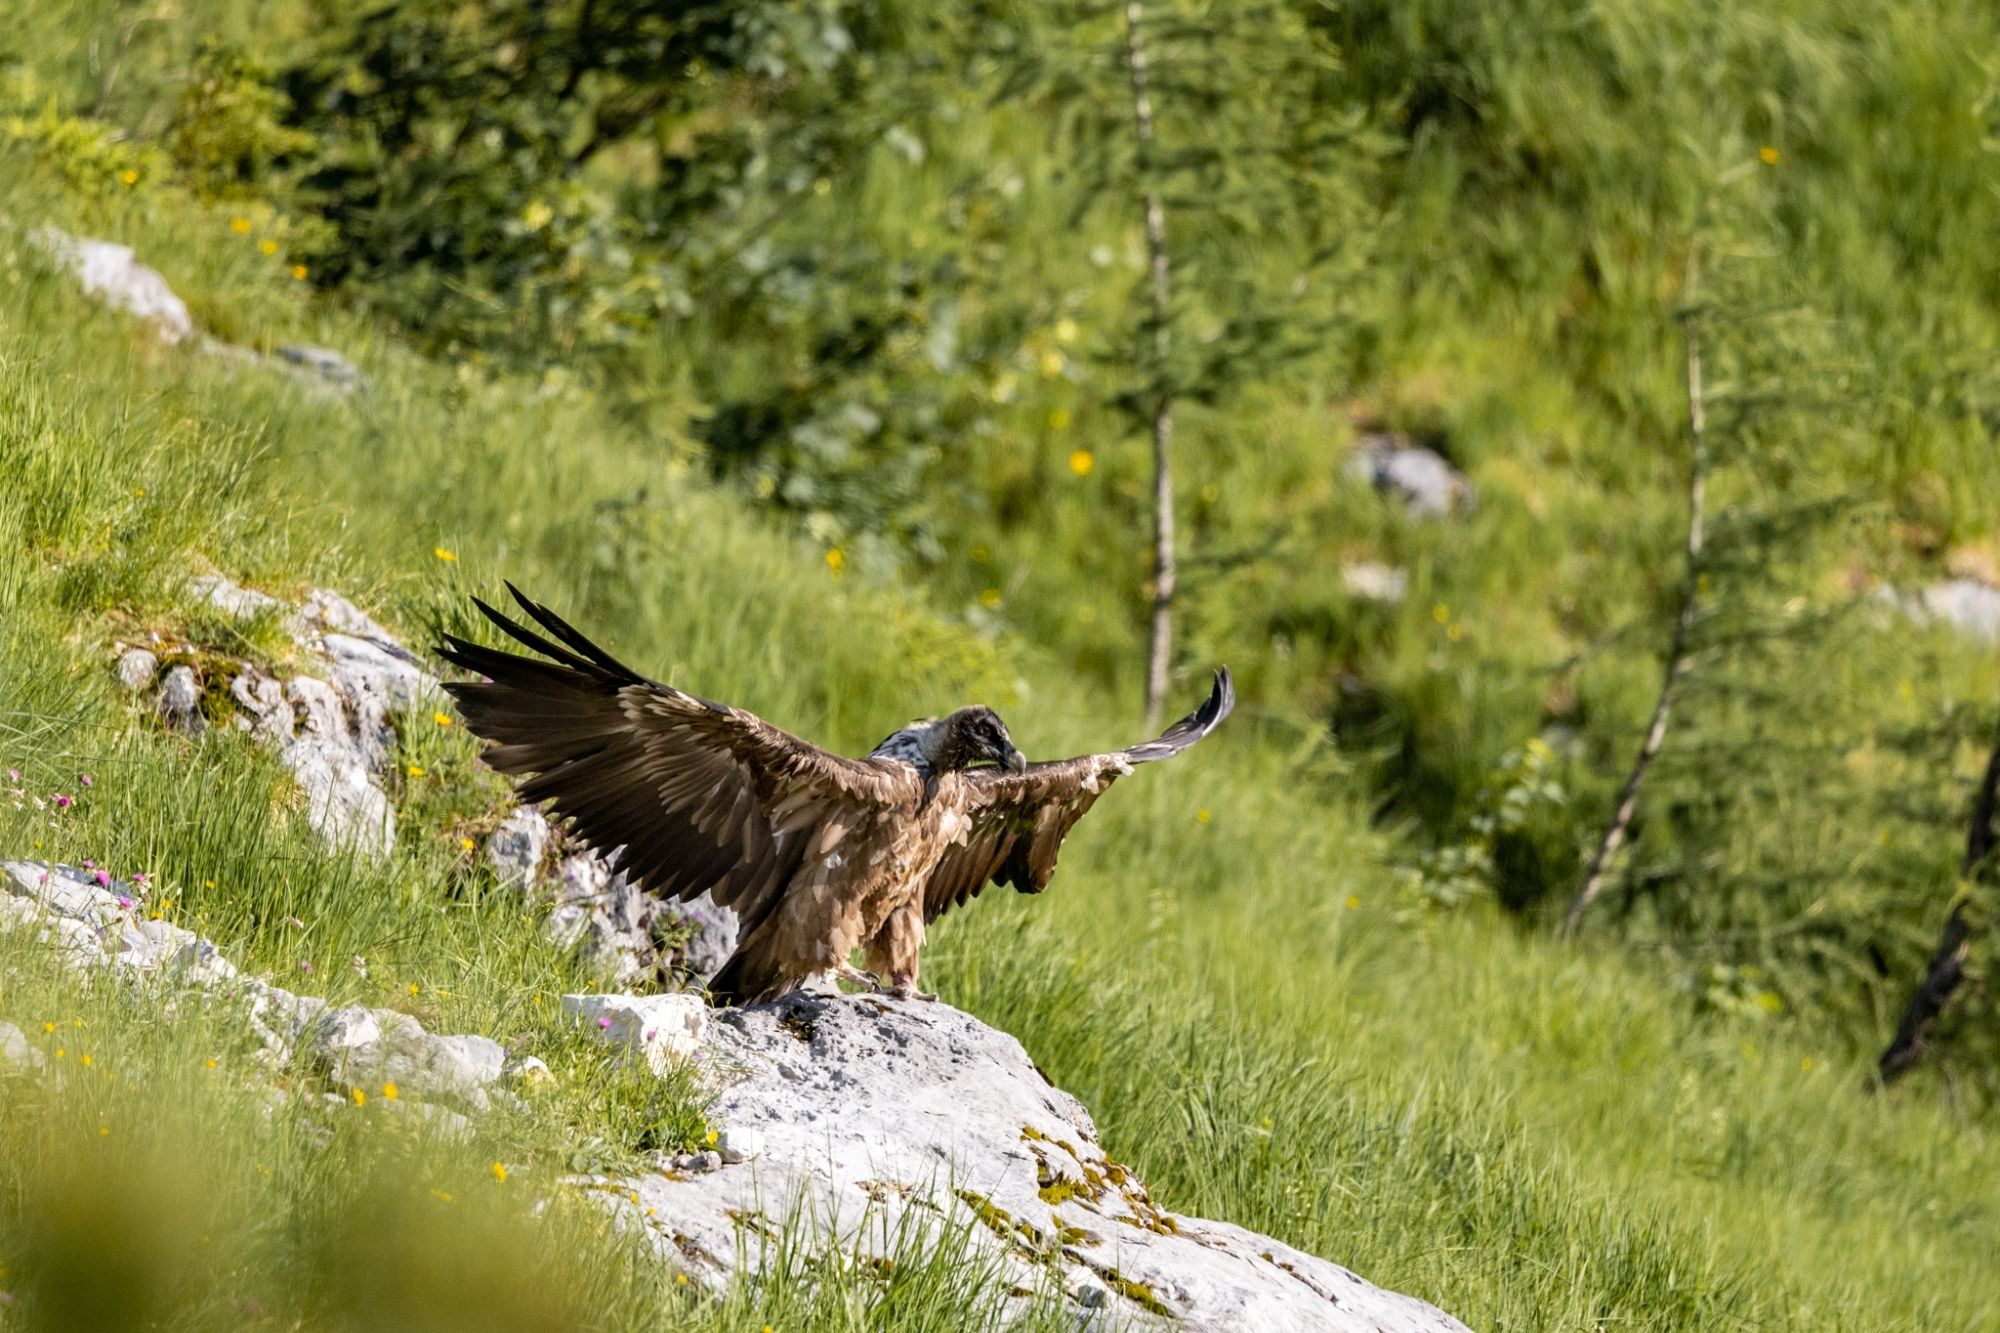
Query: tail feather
point(749, 977)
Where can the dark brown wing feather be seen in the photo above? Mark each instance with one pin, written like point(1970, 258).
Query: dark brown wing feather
point(700, 795)
point(1019, 820)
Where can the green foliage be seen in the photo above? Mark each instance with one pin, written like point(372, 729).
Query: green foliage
point(458, 146)
point(229, 132)
point(931, 354)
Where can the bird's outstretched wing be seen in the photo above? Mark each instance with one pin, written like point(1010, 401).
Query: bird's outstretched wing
point(700, 795)
point(1019, 820)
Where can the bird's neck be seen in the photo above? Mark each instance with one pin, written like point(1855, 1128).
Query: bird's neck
point(920, 745)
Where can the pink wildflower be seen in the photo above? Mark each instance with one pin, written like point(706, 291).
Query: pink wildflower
point(63, 802)
point(86, 779)
point(103, 878)
point(603, 1022)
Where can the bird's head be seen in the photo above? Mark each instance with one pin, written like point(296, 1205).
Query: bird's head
point(978, 736)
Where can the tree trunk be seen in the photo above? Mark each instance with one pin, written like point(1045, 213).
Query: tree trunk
point(1160, 650)
point(1947, 966)
point(1679, 652)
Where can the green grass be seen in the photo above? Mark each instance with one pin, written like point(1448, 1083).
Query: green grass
point(1233, 970)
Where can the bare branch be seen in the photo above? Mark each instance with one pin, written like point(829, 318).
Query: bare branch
point(1160, 650)
point(1946, 972)
point(1680, 656)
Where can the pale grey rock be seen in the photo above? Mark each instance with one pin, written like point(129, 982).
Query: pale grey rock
point(1967, 605)
point(528, 1072)
point(324, 609)
point(338, 1033)
point(1419, 476)
point(233, 599)
point(605, 917)
point(337, 771)
point(378, 668)
point(739, 1143)
point(871, 1108)
point(136, 669)
point(666, 1029)
point(94, 928)
point(180, 701)
point(323, 363)
point(114, 275)
point(379, 1046)
point(711, 936)
point(517, 848)
point(17, 1055)
point(1372, 581)
point(263, 698)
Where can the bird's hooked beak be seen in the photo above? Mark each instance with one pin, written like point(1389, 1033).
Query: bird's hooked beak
point(1015, 761)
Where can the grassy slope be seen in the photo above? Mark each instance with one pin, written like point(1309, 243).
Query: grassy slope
point(1531, 1137)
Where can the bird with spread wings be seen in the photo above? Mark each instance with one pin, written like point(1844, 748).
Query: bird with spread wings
point(818, 854)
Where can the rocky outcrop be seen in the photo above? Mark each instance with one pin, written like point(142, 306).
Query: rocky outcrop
point(90, 923)
point(331, 722)
point(872, 1124)
point(1968, 605)
point(861, 1118)
point(1419, 476)
point(114, 275)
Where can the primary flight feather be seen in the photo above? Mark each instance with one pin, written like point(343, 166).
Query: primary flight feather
point(819, 855)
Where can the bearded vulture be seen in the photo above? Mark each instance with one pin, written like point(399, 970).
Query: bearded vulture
point(818, 854)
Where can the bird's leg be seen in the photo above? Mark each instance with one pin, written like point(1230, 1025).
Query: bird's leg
point(868, 981)
point(903, 985)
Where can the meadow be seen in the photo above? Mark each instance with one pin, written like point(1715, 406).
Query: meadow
point(1249, 967)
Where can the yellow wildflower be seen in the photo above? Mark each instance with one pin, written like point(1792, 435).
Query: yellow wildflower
point(84, 1059)
point(415, 770)
point(443, 719)
point(1440, 613)
point(48, 1027)
point(104, 1131)
point(1065, 330)
point(267, 246)
point(1082, 462)
point(713, 1135)
point(300, 272)
point(836, 559)
point(129, 176)
point(444, 555)
point(211, 1062)
point(1201, 816)
point(414, 990)
point(360, 1097)
point(1768, 155)
point(390, 1092)
point(1352, 902)
point(537, 215)
point(466, 844)
point(990, 598)
point(1051, 361)
point(499, 1170)
point(241, 226)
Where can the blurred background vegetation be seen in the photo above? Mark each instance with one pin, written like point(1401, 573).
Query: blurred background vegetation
point(733, 327)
